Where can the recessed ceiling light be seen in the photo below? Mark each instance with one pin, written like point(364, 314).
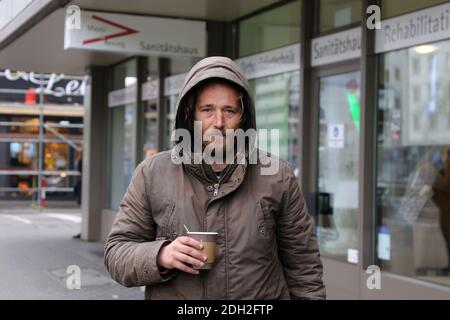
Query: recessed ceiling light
point(425, 49)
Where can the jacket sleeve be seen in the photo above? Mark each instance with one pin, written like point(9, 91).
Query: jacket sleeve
point(131, 249)
point(297, 245)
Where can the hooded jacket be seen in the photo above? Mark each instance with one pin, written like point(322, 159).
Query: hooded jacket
point(266, 246)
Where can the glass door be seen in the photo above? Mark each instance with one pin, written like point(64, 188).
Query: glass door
point(122, 103)
point(338, 162)
point(122, 163)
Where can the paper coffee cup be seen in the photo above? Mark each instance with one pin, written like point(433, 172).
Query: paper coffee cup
point(208, 239)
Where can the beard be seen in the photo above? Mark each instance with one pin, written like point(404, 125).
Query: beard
point(214, 142)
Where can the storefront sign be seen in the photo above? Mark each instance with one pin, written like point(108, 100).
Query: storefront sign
point(137, 34)
point(57, 88)
point(53, 84)
point(337, 47)
point(271, 62)
point(423, 26)
point(122, 97)
point(260, 65)
point(150, 90)
point(173, 84)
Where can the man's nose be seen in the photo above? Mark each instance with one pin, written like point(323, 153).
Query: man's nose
point(219, 120)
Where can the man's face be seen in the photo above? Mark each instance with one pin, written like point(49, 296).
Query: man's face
point(218, 107)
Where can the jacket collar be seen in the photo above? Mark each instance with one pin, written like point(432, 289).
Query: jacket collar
point(205, 173)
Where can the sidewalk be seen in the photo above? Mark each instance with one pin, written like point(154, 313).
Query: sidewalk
point(36, 249)
point(28, 204)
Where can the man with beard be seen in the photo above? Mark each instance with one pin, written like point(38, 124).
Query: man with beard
point(266, 247)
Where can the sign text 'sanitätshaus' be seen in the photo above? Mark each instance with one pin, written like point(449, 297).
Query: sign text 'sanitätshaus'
point(136, 34)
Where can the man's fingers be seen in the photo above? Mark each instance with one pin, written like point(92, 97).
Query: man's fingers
point(191, 242)
point(181, 266)
point(189, 260)
point(192, 252)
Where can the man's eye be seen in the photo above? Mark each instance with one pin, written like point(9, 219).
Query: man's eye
point(230, 111)
point(206, 110)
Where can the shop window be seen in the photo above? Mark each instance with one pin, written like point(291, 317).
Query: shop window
point(272, 29)
point(416, 94)
point(397, 74)
point(177, 70)
point(277, 96)
point(150, 105)
point(448, 62)
point(416, 66)
point(413, 166)
point(392, 8)
point(124, 75)
point(123, 139)
point(56, 156)
point(338, 14)
point(338, 166)
point(122, 165)
point(150, 128)
point(277, 100)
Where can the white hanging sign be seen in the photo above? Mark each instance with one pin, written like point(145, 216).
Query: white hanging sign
point(428, 25)
point(260, 65)
point(136, 34)
point(121, 97)
point(173, 84)
point(271, 62)
point(337, 47)
point(150, 90)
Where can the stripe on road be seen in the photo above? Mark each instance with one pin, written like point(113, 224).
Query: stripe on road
point(20, 219)
point(67, 217)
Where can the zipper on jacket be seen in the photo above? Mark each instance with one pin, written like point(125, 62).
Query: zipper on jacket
point(216, 189)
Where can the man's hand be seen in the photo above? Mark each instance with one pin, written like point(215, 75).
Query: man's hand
point(183, 253)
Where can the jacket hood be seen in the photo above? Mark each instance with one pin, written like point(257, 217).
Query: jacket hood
point(215, 67)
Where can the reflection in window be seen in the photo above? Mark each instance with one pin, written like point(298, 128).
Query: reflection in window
point(171, 103)
point(122, 165)
point(150, 129)
point(336, 14)
point(413, 178)
point(277, 103)
point(338, 173)
point(391, 8)
point(269, 30)
point(178, 69)
point(276, 96)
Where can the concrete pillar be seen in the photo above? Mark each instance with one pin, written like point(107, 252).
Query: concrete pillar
point(94, 153)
